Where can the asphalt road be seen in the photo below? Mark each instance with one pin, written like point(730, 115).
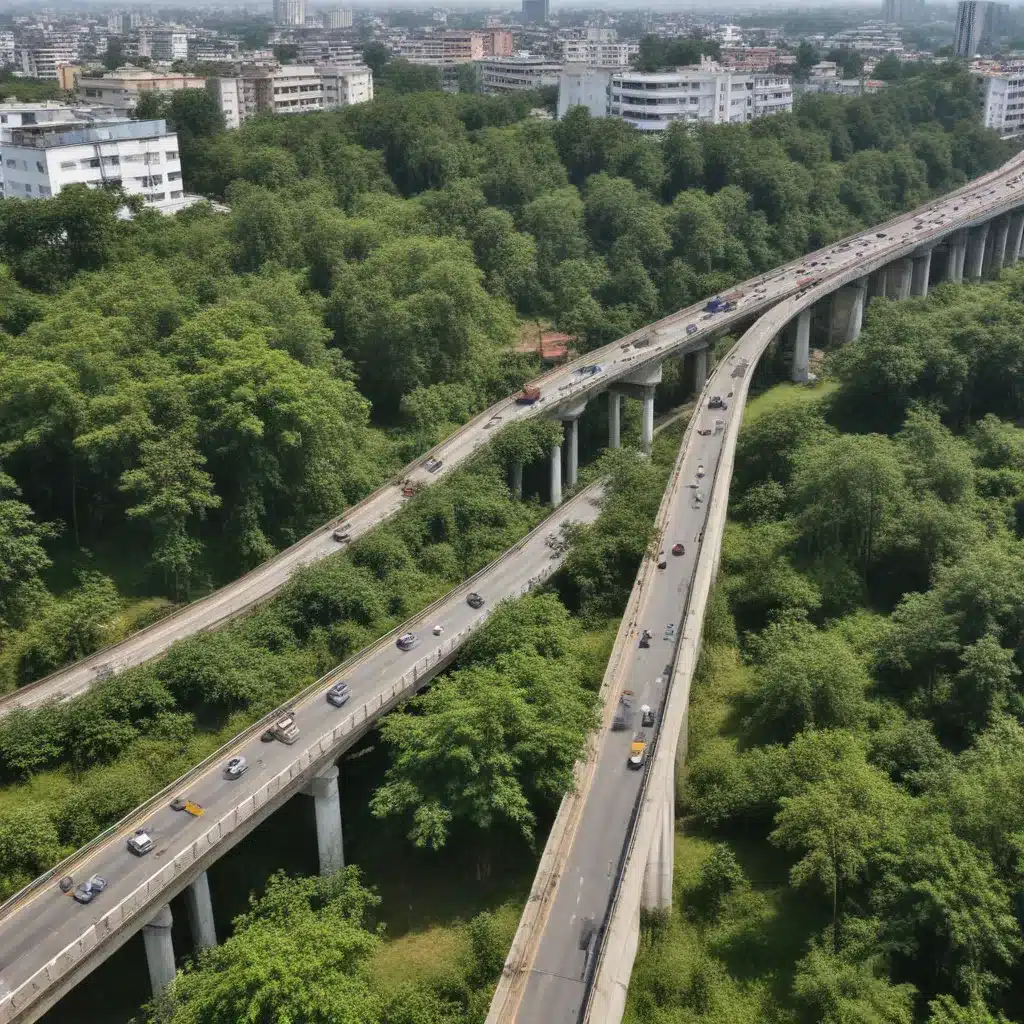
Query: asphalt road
point(560, 386)
point(556, 987)
point(38, 929)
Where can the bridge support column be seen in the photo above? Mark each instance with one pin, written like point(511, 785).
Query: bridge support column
point(647, 437)
point(700, 369)
point(156, 936)
point(330, 842)
point(922, 271)
point(517, 478)
point(1016, 237)
point(572, 451)
point(976, 252)
point(904, 278)
point(200, 913)
point(658, 872)
point(879, 284)
point(999, 246)
point(802, 348)
point(854, 323)
point(614, 419)
point(556, 476)
point(957, 252)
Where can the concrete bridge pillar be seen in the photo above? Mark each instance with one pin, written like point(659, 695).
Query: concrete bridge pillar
point(156, 936)
point(904, 271)
point(647, 438)
point(200, 913)
point(659, 869)
point(802, 348)
point(1016, 237)
point(859, 291)
point(957, 245)
point(572, 451)
point(921, 273)
point(556, 475)
point(976, 252)
point(327, 807)
point(517, 478)
point(999, 246)
point(614, 419)
point(700, 369)
point(880, 281)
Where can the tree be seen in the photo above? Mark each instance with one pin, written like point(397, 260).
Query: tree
point(832, 990)
point(22, 557)
point(151, 104)
point(375, 57)
point(113, 58)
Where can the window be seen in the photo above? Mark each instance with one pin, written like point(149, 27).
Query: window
point(44, 190)
point(3, 119)
point(156, 197)
point(12, 163)
point(174, 176)
point(112, 161)
point(40, 167)
point(93, 162)
point(28, 187)
point(131, 158)
point(151, 158)
point(176, 195)
point(171, 154)
point(155, 179)
point(68, 165)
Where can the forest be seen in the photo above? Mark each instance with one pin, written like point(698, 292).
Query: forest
point(851, 831)
point(181, 397)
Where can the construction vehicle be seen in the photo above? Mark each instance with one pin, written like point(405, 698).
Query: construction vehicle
point(529, 395)
point(638, 750)
point(284, 729)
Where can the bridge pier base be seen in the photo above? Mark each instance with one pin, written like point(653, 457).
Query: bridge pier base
point(200, 913)
point(802, 349)
point(879, 283)
point(904, 278)
point(556, 475)
point(1016, 237)
point(976, 252)
point(614, 419)
point(647, 435)
point(517, 478)
point(999, 246)
point(156, 936)
point(700, 369)
point(572, 452)
point(330, 842)
point(922, 271)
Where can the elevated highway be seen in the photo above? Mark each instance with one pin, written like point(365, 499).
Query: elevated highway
point(610, 852)
point(631, 365)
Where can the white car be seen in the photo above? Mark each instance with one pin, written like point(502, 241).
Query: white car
point(236, 767)
point(140, 843)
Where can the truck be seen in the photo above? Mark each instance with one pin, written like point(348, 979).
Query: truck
point(284, 729)
point(806, 282)
point(529, 395)
point(638, 750)
point(723, 303)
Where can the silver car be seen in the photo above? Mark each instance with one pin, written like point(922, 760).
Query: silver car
point(89, 890)
point(236, 767)
point(338, 694)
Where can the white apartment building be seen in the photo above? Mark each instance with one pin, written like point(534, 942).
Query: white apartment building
point(338, 18)
point(517, 73)
point(290, 12)
point(7, 48)
point(651, 101)
point(601, 54)
point(142, 156)
point(328, 51)
point(1001, 96)
point(168, 44)
point(43, 61)
point(345, 86)
point(292, 89)
point(121, 89)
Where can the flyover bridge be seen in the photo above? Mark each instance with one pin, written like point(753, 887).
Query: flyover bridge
point(610, 851)
point(611, 848)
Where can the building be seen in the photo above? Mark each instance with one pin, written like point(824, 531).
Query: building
point(899, 12)
point(328, 51)
point(535, 12)
point(651, 101)
point(979, 23)
point(517, 73)
point(345, 86)
point(43, 61)
point(290, 12)
point(1001, 98)
point(338, 18)
point(602, 54)
point(292, 89)
point(121, 89)
point(169, 44)
point(141, 156)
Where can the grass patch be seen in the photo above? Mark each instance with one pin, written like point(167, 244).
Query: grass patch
point(787, 395)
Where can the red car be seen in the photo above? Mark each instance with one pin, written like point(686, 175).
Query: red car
point(678, 549)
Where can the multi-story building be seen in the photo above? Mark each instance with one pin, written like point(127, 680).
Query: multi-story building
point(290, 12)
point(1001, 98)
point(651, 101)
point(121, 89)
point(873, 37)
point(169, 44)
point(328, 51)
point(979, 23)
point(345, 86)
point(601, 54)
point(535, 12)
point(517, 73)
point(338, 18)
point(43, 61)
point(292, 89)
point(141, 156)
point(7, 48)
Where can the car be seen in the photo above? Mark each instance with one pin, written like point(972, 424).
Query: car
point(691, 328)
point(716, 402)
point(662, 561)
point(638, 750)
point(438, 630)
point(338, 694)
point(474, 600)
point(700, 472)
point(670, 631)
point(645, 638)
point(646, 716)
point(432, 465)
point(407, 641)
point(90, 889)
point(141, 843)
point(236, 767)
point(707, 316)
point(66, 884)
point(879, 234)
point(704, 432)
point(719, 426)
point(678, 549)
point(342, 534)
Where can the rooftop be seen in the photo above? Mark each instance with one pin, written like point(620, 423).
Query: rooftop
point(50, 136)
